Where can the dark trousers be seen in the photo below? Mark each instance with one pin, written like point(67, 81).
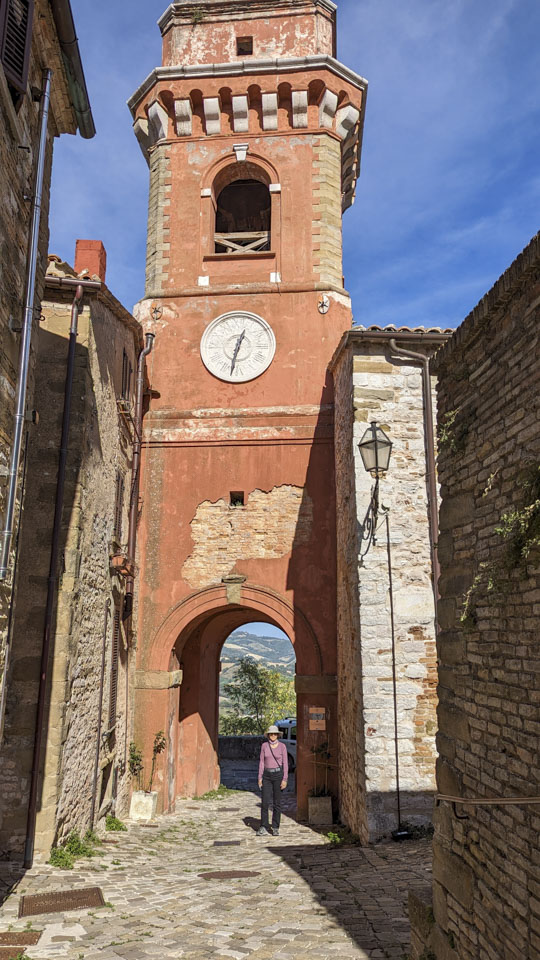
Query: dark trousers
point(271, 797)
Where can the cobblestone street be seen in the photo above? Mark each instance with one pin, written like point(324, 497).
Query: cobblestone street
point(307, 899)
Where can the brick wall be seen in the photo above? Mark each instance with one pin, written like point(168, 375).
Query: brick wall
point(370, 387)
point(327, 238)
point(157, 248)
point(486, 894)
point(265, 528)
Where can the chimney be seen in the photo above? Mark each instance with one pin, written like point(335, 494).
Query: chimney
point(91, 255)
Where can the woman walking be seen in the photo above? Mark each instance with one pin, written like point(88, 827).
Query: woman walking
point(273, 773)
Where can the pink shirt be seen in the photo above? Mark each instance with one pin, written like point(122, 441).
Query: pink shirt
point(276, 757)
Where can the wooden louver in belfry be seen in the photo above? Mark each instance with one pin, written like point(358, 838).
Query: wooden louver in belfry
point(15, 38)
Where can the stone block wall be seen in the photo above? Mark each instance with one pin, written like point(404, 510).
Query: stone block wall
point(19, 141)
point(486, 893)
point(371, 384)
point(99, 450)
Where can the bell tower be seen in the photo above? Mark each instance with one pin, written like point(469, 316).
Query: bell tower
point(252, 132)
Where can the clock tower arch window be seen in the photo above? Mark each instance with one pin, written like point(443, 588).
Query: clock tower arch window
point(243, 217)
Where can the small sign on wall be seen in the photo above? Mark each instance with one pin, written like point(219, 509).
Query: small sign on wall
point(317, 718)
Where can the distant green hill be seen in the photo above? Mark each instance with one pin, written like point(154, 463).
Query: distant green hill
point(270, 652)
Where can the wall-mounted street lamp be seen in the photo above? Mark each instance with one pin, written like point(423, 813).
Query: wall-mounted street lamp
point(375, 449)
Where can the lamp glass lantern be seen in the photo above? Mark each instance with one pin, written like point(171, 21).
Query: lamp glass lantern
point(375, 449)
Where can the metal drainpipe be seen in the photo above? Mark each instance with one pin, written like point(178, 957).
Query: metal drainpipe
point(24, 360)
point(52, 580)
point(133, 508)
point(431, 471)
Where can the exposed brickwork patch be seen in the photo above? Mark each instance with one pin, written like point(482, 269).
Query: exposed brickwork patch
point(266, 528)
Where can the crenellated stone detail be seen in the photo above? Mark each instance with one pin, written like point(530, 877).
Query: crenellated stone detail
point(270, 111)
point(212, 115)
point(183, 115)
point(140, 129)
point(327, 109)
point(345, 122)
point(300, 108)
point(240, 114)
point(346, 119)
point(158, 122)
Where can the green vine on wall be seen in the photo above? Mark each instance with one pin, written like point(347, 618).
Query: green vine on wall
point(519, 528)
point(454, 430)
point(197, 16)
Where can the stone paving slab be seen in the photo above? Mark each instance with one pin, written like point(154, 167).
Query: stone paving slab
point(310, 900)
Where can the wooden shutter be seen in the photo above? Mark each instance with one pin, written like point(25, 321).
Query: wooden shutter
point(113, 695)
point(15, 39)
point(118, 506)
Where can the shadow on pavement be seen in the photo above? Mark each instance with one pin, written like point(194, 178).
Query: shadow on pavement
point(365, 890)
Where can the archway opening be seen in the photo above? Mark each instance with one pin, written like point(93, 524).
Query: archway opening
point(257, 670)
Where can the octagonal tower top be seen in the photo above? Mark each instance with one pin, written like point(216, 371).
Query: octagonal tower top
point(224, 31)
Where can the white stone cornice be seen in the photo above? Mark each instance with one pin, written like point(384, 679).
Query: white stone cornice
point(247, 68)
point(299, 108)
point(212, 115)
point(270, 111)
point(240, 114)
point(183, 113)
point(158, 122)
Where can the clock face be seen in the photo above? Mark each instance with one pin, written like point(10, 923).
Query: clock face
point(238, 346)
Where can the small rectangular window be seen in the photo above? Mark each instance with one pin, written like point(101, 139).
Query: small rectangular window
point(127, 371)
point(244, 46)
point(237, 498)
point(15, 39)
point(113, 690)
point(118, 506)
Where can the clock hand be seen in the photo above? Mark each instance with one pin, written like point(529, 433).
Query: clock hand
point(237, 349)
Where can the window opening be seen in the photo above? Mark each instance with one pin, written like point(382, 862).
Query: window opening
point(243, 218)
point(15, 38)
point(237, 498)
point(118, 506)
point(127, 371)
point(244, 46)
point(113, 692)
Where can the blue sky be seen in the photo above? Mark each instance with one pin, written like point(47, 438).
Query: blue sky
point(450, 185)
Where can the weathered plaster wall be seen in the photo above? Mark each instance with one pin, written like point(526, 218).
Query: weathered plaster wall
point(390, 393)
point(99, 447)
point(206, 32)
point(486, 893)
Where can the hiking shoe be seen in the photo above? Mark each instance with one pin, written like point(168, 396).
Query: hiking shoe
point(275, 832)
point(263, 832)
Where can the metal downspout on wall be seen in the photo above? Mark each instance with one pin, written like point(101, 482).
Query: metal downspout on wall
point(52, 580)
point(431, 470)
point(24, 359)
